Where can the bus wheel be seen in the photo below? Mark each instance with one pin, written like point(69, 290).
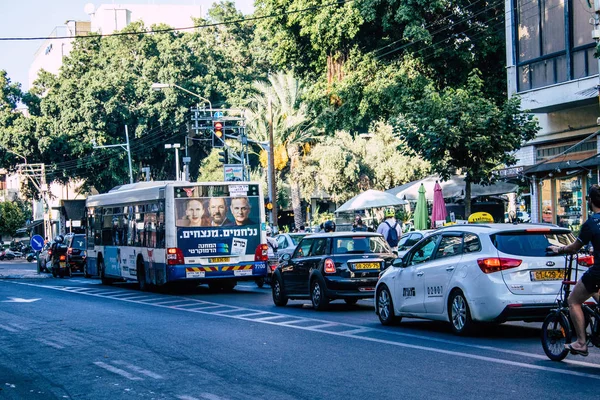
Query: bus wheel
point(141, 275)
point(228, 285)
point(103, 278)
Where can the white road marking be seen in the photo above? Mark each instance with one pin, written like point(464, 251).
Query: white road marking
point(355, 331)
point(51, 344)
point(138, 369)
point(236, 309)
point(8, 328)
point(324, 323)
point(118, 371)
point(252, 314)
point(19, 300)
point(271, 318)
point(210, 396)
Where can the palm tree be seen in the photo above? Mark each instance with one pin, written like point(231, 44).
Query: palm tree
point(281, 98)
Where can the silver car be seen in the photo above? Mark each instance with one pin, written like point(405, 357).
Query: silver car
point(409, 239)
point(287, 242)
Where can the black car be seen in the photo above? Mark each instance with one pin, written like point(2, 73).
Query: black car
point(76, 252)
point(329, 266)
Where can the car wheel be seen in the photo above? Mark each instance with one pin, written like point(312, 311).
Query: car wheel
point(459, 313)
point(103, 278)
point(279, 297)
point(351, 302)
point(317, 295)
point(385, 307)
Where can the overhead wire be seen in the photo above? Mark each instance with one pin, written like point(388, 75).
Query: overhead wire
point(166, 30)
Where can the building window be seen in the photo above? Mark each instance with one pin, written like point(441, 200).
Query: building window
point(545, 54)
point(553, 151)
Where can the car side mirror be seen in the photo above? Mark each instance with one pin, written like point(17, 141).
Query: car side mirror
point(286, 257)
point(398, 263)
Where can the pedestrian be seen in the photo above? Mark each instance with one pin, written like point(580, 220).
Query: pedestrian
point(358, 225)
point(390, 229)
point(272, 243)
point(302, 229)
point(589, 284)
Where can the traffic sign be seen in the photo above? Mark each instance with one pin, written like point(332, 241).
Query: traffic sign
point(37, 242)
point(218, 114)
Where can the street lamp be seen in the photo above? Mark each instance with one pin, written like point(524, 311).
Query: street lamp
point(175, 146)
point(124, 147)
point(161, 86)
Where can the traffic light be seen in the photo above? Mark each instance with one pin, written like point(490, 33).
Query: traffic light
point(224, 157)
point(218, 134)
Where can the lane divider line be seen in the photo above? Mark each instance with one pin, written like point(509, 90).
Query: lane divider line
point(118, 371)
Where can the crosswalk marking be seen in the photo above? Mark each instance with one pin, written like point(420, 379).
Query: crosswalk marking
point(138, 369)
point(8, 328)
point(51, 344)
point(118, 371)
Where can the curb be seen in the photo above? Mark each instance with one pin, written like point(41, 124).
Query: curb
point(20, 274)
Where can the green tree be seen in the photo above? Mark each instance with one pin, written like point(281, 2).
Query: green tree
point(344, 166)
point(463, 130)
point(282, 97)
point(12, 217)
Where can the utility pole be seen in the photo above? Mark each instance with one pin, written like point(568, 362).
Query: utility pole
point(175, 146)
point(124, 147)
point(271, 169)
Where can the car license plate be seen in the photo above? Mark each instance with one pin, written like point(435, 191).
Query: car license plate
point(372, 265)
point(219, 259)
point(63, 264)
point(242, 272)
point(548, 275)
point(194, 274)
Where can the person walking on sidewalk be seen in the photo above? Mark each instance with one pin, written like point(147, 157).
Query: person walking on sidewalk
point(390, 229)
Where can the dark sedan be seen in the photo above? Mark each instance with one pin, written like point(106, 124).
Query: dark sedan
point(329, 266)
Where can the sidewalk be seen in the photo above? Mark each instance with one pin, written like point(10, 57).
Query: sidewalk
point(20, 269)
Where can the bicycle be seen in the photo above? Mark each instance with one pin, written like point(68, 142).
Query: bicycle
point(557, 329)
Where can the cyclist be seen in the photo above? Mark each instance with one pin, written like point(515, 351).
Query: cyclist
point(589, 284)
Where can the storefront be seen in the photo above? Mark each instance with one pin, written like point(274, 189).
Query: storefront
point(561, 192)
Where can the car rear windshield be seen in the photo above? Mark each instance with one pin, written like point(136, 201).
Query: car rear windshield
point(532, 243)
point(78, 242)
point(296, 238)
point(359, 245)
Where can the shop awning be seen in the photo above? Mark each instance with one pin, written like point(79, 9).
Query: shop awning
point(27, 228)
point(74, 209)
point(553, 166)
point(593, 161)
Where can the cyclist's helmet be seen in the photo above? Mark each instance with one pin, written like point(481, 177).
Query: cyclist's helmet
point(329, 226)
point(59, 239)
point(390, 212)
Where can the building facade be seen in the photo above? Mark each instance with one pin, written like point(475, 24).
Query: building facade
point(552, 68)
point(106, 19)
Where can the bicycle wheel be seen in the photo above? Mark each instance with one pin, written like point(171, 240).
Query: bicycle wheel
point(556, 332)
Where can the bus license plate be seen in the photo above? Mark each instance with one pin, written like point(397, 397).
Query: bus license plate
point(219, 260)
point(242, 272)
point(366, 266)
point(547, 275)
point(194, 274)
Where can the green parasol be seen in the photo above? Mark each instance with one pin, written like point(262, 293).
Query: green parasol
point(420, 216)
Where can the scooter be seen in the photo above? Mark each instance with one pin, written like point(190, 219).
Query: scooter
point(31, 256)
point(60, 267)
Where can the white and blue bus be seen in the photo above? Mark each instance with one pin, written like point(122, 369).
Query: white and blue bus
point(156, 233)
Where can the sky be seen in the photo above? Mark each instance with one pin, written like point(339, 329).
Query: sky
point(38, 18)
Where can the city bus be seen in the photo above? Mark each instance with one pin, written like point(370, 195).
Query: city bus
point(158, 233)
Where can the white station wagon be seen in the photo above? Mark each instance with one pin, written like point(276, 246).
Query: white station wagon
point(474, 273)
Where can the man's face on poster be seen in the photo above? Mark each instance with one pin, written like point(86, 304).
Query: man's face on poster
point(240, 208)
point(218, 210)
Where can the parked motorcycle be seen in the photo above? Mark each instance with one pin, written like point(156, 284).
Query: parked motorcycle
point(31, 256)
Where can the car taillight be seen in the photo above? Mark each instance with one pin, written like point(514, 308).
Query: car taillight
point(586, 261)
point(329, 266)
point(70, 250)
point(261, 253)
point(174, 256)
point(49, 252)
point(62, 257)
point(489, 265)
